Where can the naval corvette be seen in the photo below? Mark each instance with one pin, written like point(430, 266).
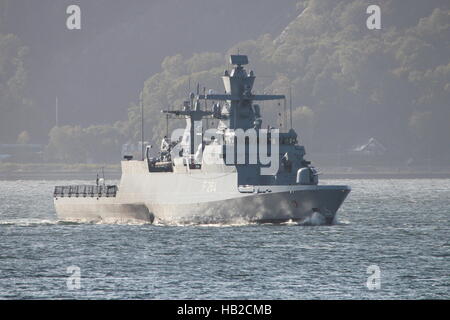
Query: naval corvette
point(236, 171)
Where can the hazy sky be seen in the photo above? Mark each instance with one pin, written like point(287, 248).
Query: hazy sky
point(98, 70)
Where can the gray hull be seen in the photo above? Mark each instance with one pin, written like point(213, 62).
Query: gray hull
point(201, 199)
point(273, 207)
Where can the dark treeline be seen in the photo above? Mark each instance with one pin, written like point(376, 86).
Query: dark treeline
point(95, 72)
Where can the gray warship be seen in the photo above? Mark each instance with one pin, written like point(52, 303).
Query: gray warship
point(211, 176)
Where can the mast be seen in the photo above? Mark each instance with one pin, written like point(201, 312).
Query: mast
point(238, 97)
point(193, 113)
point(167, 125)
point(142, 124)
point(238, 93)
point(56, 112)
point(290, 104)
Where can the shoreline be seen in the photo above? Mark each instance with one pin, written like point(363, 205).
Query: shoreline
point(116, 174)
point(84, 171)
point(57, 175)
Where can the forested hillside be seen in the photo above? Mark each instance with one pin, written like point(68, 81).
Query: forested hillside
point(349, 83)
point(15, 106)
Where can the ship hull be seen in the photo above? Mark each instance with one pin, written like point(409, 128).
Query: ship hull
point(314, 204)
point(101, 210)
point(198, 197)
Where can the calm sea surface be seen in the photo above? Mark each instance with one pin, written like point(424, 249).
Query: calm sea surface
point(400, 226)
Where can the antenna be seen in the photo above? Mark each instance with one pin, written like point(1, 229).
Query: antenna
point(56, 111)
point(285, 115)
point(206, 107)
point(204, 95)
point(290, 103)
point(142, 124)
point(280, 118)
point(167, 125)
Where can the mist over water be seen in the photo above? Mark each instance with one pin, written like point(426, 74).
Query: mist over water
point(402, 226)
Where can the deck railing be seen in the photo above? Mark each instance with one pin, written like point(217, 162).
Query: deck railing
point(85, 191)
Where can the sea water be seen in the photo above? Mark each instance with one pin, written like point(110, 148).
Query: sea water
point(391, 241)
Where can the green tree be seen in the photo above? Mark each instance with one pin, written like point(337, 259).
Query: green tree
point(17, 112)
